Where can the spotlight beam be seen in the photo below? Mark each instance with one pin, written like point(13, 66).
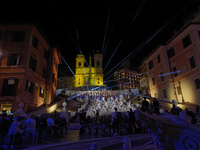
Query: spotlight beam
point(67, 64)
point(113, 54)
point(169, 73)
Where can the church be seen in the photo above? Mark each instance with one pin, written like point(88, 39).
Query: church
point(87, 74)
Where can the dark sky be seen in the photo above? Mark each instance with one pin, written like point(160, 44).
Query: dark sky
point(88, 26)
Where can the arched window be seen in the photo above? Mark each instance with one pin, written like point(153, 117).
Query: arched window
point(79, 64)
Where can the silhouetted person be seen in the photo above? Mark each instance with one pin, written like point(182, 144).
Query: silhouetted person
point(197, 110)
point(82, 117)
point(174, 110)
point(145, 105)
point(155, 106)
point(192, 115)
point(97, 113)
point(115, 123)
point(132, 120)
point(4, 126)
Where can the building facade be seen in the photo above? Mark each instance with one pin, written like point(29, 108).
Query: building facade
point(28, 68)
point(174, 69)
point(87, 74)
point(65, 82)
point(126, 78)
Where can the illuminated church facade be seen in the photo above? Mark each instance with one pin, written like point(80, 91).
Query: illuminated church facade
point(86, 74)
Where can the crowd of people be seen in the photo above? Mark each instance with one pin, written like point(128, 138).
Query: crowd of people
point(154, 108)
point(124, 122)
point(22, 129)
point(107, 116)
point(114, 124)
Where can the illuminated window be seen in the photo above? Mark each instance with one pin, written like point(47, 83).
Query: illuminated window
point(41, 94)
point(197, 83)
point(186, 41)
point(192, 62)
point(18, 36)
point(9, 87)
point(29, 86)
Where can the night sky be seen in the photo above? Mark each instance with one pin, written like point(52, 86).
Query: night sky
point(88, 26)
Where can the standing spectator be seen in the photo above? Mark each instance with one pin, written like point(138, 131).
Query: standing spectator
point(4, 126)
point(82, 117)
point(132, 121)
point(15, 132)
point(51, 124)
point(174, 110)
point(31, 124)
point(115, 122)
point(145, 105)
point(197, 110)
point(155, 106)
point(97, 113)
point(41, 125)
point(192, 115)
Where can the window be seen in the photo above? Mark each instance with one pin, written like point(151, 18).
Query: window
point(29, 86)
point(165, 93)
point(186, 41)
point(153, 80)
point(150, 64)
point(174, 70)
point(197, 83)
point(79, 64)
point(45, 54)
point(44, 73)
point(179, 90)
point(32, 64)
point(41, 93)
point(18, 36)
point(53, 77)
point(98, 63)
point(0, 35)
point(9, 87)
point(158, 59)
point(199, 33)
point(35, 42)
point(161, 76)
point(13, 60)
point(170, 53)
point(192, 62)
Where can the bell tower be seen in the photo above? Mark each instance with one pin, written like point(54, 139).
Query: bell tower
point(98, 73)
point(80, 61)
point(98, 60)
point(80, 71)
